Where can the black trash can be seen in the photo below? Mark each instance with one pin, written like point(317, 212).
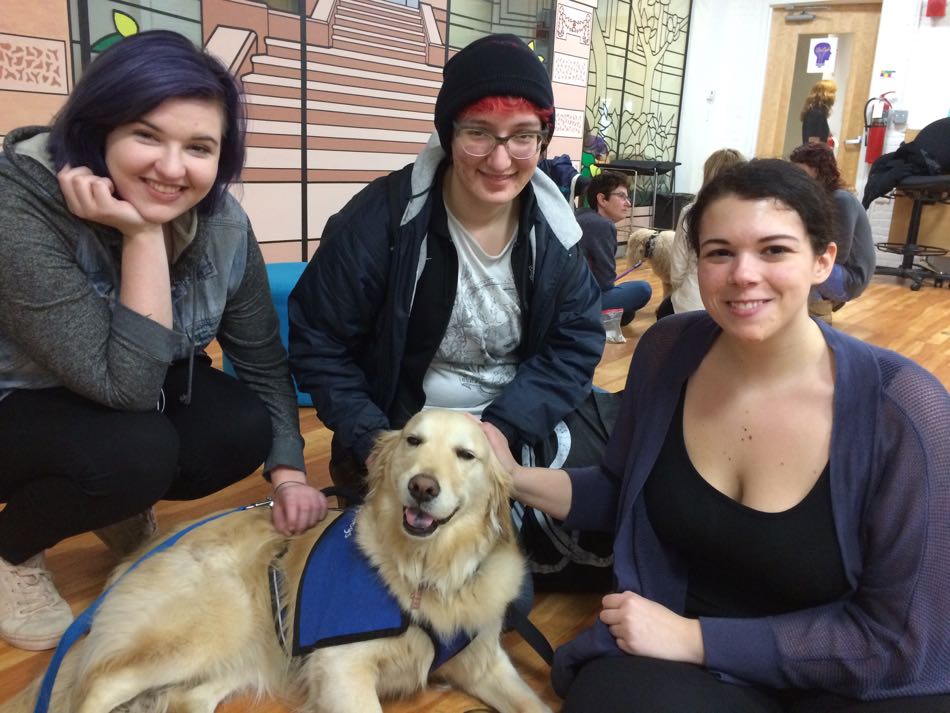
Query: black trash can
point(668, 208)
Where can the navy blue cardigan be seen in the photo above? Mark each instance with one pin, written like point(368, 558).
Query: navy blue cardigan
point(890, 488)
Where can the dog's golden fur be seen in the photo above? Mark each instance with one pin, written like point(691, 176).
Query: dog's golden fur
point(193, 624)
point(659, 259)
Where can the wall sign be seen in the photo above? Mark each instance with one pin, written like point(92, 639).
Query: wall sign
point(822, 55)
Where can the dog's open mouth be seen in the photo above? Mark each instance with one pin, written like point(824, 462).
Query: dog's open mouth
point(420, 523)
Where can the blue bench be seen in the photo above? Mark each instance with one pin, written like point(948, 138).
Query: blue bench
point(282, 277)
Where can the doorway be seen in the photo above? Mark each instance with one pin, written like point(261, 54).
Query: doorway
point(855, 28)
point(803, 81)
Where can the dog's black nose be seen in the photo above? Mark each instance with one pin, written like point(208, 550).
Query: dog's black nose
point(423, 488)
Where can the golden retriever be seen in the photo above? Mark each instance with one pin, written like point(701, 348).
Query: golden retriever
point(655, 246)
point(193, 624)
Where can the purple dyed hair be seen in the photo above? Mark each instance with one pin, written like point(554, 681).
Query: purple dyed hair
point(129, 80)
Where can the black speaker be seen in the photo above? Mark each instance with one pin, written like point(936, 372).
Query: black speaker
point(668, 207)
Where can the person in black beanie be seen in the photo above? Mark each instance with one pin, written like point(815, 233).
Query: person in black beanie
point(496, 65)
point(455, 282)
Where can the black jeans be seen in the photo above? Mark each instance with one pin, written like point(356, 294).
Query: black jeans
point(636, 684)
point(69, 465)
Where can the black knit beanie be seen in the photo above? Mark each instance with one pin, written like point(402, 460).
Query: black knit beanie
point(496, 65)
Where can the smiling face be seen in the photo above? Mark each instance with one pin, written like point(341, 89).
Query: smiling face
point(442, 464)
point(438, 476)
point(495, 179)
point(756, 267)
point(166, 162)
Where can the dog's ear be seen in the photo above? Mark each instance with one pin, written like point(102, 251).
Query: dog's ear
point(381, 456)
point(499, 506)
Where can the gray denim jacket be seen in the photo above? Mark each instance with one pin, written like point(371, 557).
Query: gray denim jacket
point(61, 323)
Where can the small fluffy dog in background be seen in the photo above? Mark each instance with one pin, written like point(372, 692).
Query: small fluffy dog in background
point(655, 246)
point(194, 624)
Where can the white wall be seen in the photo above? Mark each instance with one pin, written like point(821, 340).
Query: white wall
point(722, 91)
point(725, 75)
point(917, 49)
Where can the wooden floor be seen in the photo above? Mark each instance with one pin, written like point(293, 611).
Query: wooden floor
point(916, 324)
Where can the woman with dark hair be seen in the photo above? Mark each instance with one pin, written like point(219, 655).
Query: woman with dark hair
point(815, 112)
point(854, 263)
point(778, 490)
point(124, 256)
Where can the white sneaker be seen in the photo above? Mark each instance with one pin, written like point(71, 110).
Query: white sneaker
point(33, 615)
point(125, 537)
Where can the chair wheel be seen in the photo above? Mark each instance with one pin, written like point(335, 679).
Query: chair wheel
point(915, 287)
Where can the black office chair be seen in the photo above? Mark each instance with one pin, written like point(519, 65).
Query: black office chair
point(923, 190)
point(920, 170)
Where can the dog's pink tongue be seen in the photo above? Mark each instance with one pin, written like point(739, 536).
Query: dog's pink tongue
point(418, 519)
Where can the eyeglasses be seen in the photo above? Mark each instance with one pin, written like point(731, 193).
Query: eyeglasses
point(480, 143)
point(625, 197)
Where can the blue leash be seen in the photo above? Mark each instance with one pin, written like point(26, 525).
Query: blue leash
point(81, 625)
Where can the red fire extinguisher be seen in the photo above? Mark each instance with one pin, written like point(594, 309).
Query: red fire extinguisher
point(875, 126)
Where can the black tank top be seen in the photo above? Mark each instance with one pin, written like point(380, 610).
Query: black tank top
point(742, 562)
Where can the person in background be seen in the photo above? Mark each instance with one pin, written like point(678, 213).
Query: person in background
point(456, 282)
point(123, 257)
point(778, 488)
point(684, 296)
point(815, 112)
point(595, 151)
point(609, 196)
point(855, 261)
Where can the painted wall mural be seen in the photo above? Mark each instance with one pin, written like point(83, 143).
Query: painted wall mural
point(572, 21)
point(570, 70)
point(530, 20)
point(95, 25)
point(358, 102)
point(33, 64)
point(638, 55)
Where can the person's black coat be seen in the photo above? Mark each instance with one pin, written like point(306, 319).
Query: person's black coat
point(927, 155)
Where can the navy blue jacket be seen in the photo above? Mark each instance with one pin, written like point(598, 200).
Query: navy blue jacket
point(350, 311)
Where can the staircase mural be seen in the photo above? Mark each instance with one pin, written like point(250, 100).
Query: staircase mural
point(373, 70)
point(370, 70)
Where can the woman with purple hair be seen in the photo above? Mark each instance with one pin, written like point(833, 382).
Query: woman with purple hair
point(595, 151)
point(124, 257)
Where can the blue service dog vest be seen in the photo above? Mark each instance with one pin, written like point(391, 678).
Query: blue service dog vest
point(342, 598)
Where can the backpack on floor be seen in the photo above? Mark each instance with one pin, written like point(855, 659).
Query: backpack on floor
point(560, 559)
